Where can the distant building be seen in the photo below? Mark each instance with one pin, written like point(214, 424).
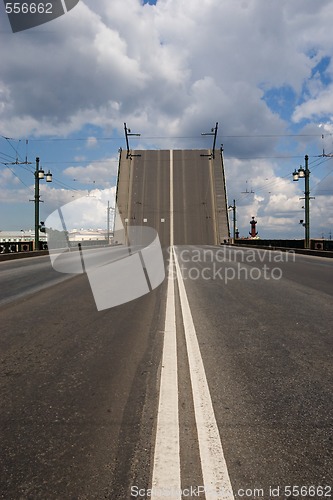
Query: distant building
point(74, 235)
point(17, 236)
point(87, 235)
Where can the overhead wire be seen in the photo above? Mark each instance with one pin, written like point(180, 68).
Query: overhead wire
point(324, 159)
point(8, 139)
point(315, 163)
point(315, 187)
point(14, 173)
point(165, 137)
point(6, 157)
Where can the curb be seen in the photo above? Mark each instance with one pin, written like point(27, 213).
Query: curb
point(302, 251)
point(22, 255)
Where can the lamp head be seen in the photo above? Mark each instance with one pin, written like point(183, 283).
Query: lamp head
point(295, 175)
point(301, 173)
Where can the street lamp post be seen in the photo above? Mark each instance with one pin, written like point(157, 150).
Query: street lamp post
point(39, 174)
point(233, 208)
point(214, 133)
point(108, 222)
point(304, 173)
point(127, 134)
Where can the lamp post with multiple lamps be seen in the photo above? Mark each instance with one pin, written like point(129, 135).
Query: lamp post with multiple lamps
point(304, 173)
point(39, 175)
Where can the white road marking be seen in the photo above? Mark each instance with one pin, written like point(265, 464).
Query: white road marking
point(214, 469)
point(171, 200)
point(166, 482)
point(166, 473)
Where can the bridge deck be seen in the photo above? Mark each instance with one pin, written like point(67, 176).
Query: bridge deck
point(199, 198)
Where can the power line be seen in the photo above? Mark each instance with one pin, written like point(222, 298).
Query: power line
point(63, 162)
point(321, 180)
point(17, 156)
point(271, 135)
point(228, 136)
point(24, 184)
point(6, 156)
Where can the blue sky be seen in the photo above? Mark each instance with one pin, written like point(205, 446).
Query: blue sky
point(171, 70)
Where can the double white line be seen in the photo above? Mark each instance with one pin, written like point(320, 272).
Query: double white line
point(167, 466)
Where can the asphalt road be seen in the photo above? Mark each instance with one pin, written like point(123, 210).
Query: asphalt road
point(18, 278)
point(264, 322)
point(144, 195)
point(80, 389)
point(22, 277)
point(74, 390)
point(220, 378)
point(194, 199)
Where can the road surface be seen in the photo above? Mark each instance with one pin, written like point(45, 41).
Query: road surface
point(80, 389)
point(199, 198)
point(217, 384)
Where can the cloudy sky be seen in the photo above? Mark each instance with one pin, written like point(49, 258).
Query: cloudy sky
point(262, 69)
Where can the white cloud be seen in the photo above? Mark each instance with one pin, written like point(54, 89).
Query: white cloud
point(174, 69)
point(321, 105)
point(110, 61)
point(100, 173)
point(89, 210)
point(91, 142)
